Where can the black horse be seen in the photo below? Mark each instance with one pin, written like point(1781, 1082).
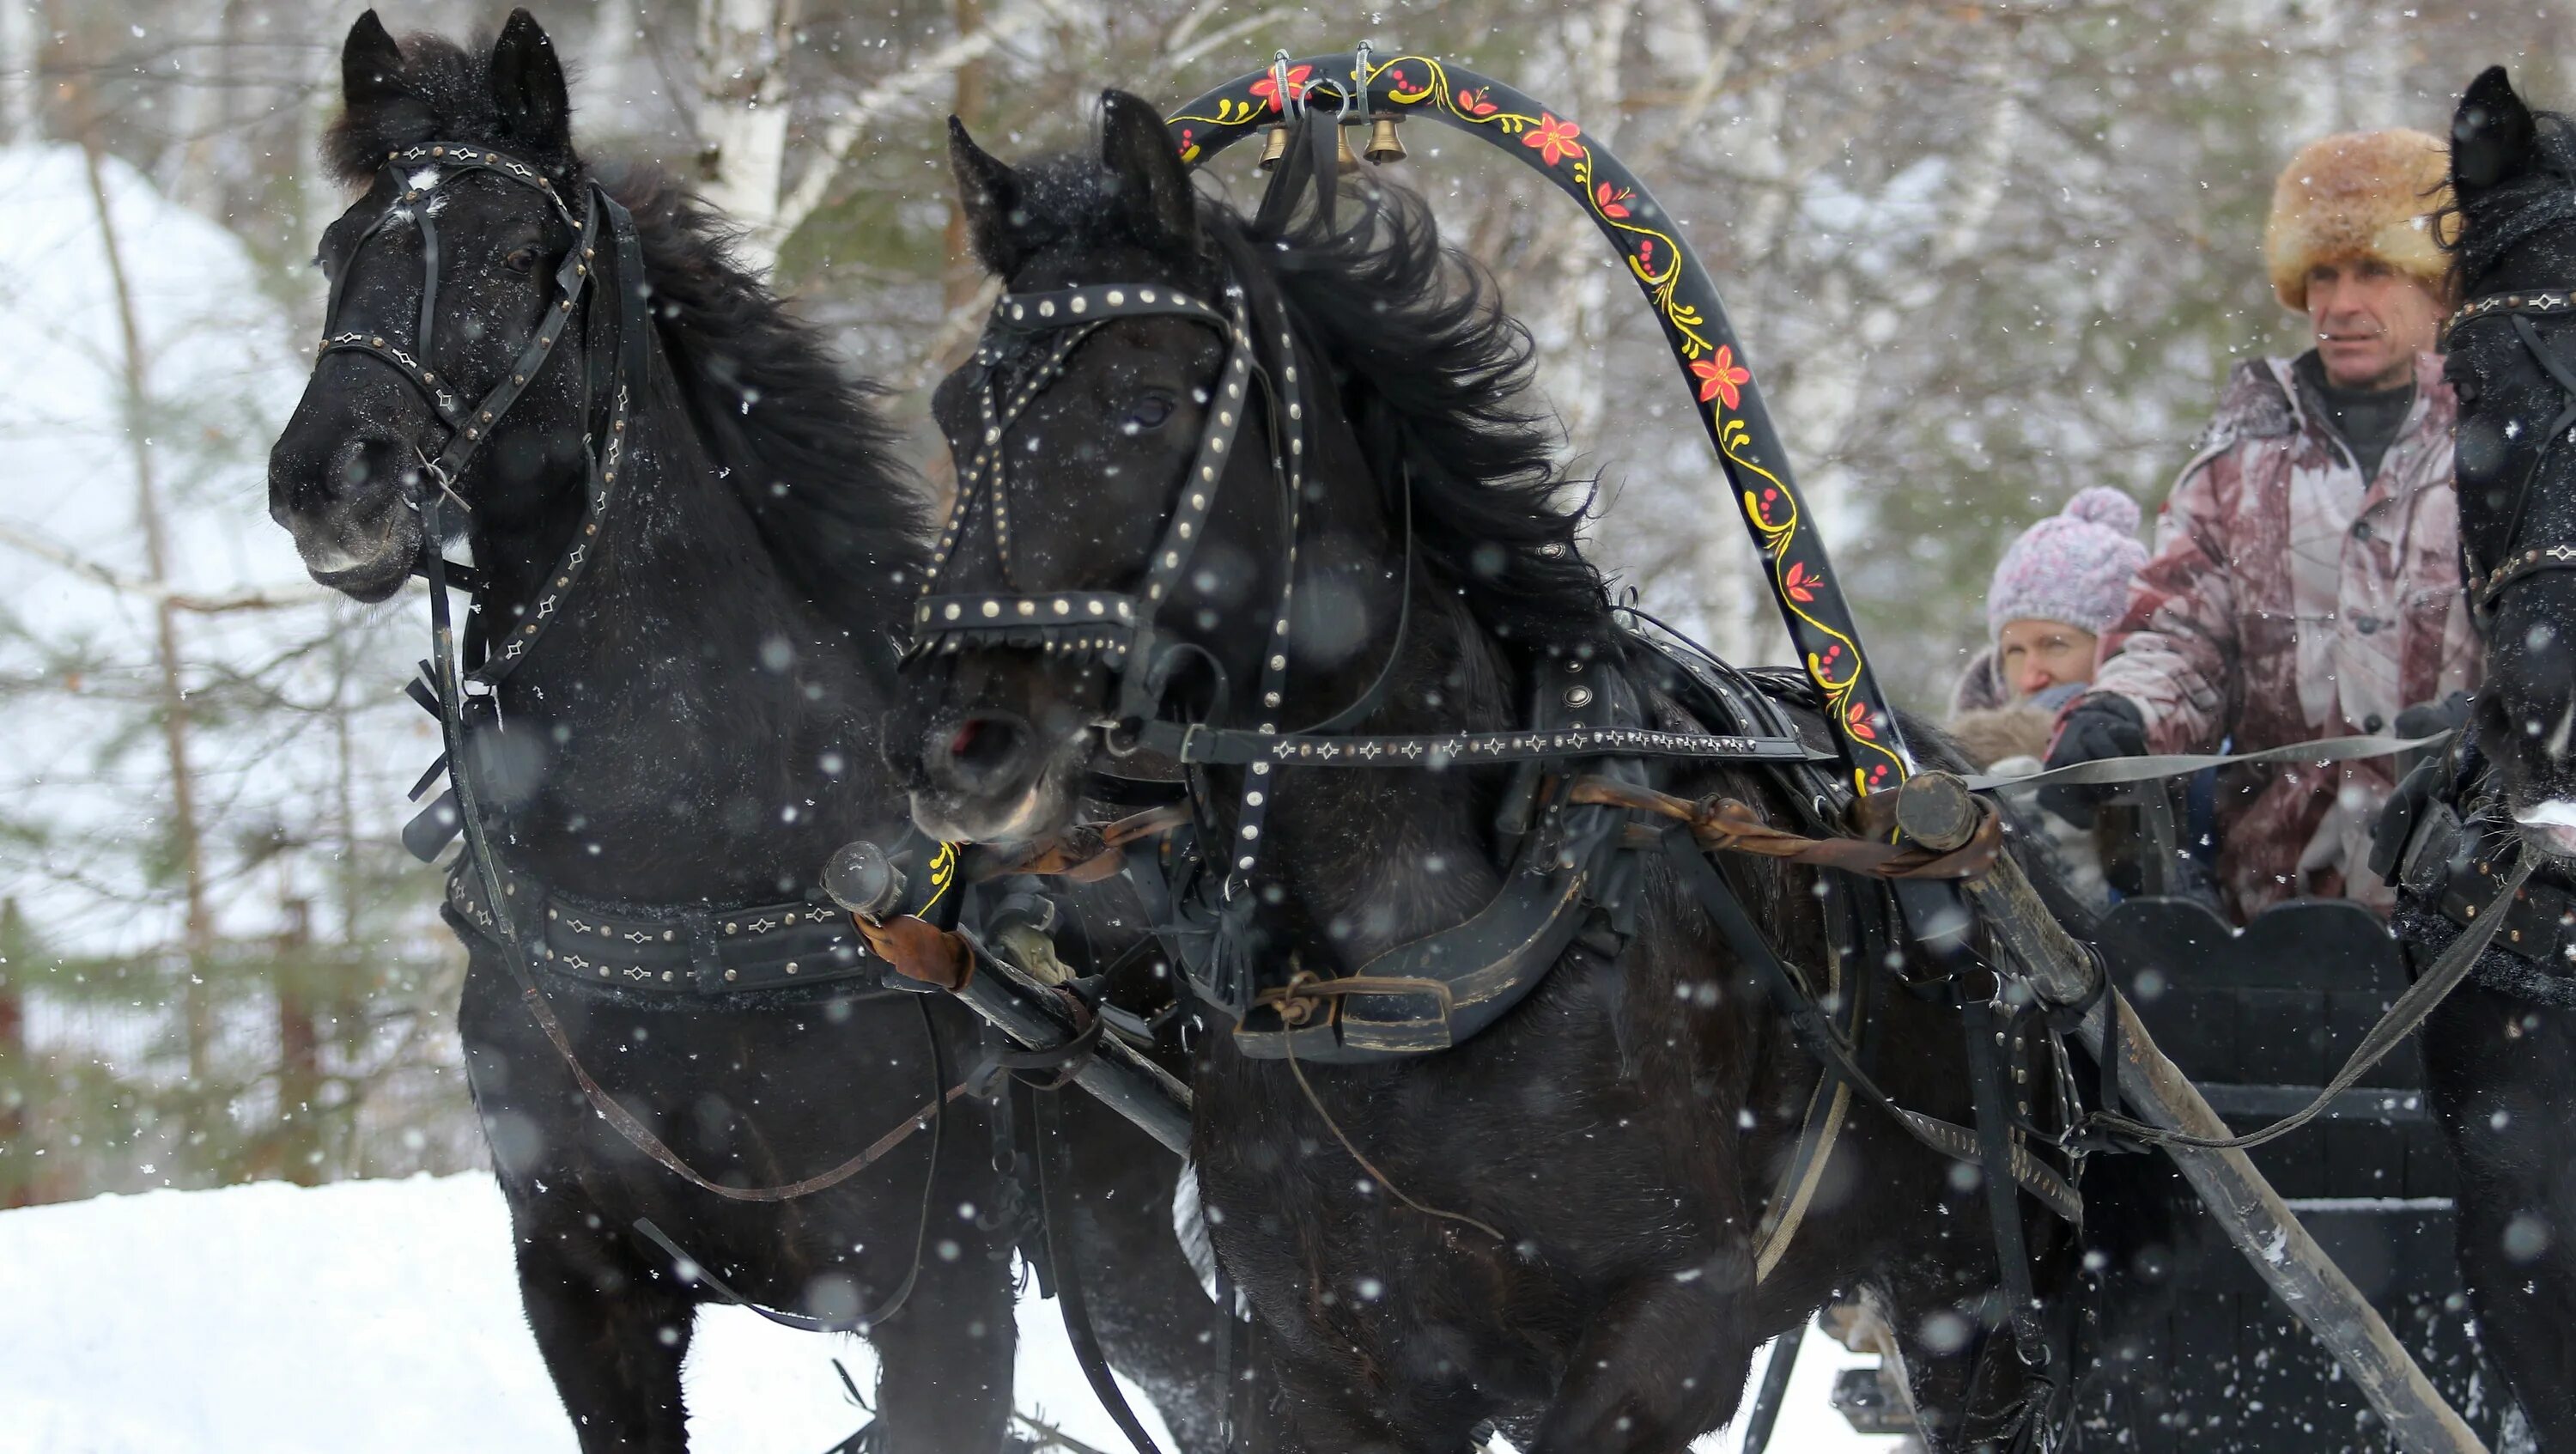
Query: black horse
point(1554, 1224)
point(2500, 1052)
point(690, 743)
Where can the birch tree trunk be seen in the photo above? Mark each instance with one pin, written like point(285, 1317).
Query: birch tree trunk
point(18, 42)
point(742, 115)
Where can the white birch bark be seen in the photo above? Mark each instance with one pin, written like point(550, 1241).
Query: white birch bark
point(18, 39)
point(742, 115)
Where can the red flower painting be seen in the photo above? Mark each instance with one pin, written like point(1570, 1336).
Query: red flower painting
point(1721, 377)
point(1613, 203)
point(1800, 582)
point(1268, 86)
point(1473, 103)
point(1856, 719)
point(1554, 140)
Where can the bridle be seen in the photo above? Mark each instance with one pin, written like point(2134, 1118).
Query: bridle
point(1122, 630)
point(2486, 589)
point(452, 691)
point(469, 428)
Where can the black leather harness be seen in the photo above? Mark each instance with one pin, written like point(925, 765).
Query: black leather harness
point(2511, 565)
point(687, 954)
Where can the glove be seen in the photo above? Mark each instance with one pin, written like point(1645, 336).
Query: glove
point(2423, 774)
point(2426, 718)
point(2095, 728)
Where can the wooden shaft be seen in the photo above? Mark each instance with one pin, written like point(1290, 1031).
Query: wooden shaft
point(2038, 950)
point(1124, 1080)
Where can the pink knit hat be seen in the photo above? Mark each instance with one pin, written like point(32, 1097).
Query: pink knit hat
point(2073, 566)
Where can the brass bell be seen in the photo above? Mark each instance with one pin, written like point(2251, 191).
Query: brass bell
point(1383, 143)
point(1344, 162)
point(1274, 145)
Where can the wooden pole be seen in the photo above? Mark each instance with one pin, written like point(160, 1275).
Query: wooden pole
point(1932, 808)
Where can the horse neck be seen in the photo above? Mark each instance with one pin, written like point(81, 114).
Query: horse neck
point(698, 732)
point(1428, 866)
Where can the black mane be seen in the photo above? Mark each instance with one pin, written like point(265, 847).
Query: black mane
point(2487, 227)
point(801, 441)
point(1434, 377)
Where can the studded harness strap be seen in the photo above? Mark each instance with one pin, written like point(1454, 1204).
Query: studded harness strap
point(2487, 588)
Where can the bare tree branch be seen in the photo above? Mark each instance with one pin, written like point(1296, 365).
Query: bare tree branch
point(277, 598)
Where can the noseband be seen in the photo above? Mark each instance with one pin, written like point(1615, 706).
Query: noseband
point(2487, 589)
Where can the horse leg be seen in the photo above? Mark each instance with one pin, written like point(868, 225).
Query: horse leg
point(2499, 1070)
point(612, 1334)
point(1156, 1324)
point(944, 1358)
point(1662, 1363)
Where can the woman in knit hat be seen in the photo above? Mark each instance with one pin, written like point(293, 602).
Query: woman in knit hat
point(2056, 590)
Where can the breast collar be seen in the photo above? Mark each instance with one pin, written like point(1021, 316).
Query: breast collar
point(2486, 590)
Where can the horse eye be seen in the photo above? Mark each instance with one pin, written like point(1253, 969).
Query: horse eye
point(521, 260)
point(1151, 412)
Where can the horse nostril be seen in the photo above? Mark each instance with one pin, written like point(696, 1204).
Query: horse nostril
point(981, 749)
point(350, 470)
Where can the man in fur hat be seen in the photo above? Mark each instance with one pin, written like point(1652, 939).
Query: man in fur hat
point(2305, 581)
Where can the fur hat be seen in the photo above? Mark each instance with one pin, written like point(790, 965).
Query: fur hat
point(2359, 194)
point(2073, 566)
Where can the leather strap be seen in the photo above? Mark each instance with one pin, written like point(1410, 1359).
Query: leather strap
point(1055, 1195)
point(1815, 1035)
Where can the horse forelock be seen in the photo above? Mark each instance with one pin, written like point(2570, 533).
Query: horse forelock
point(446, 96)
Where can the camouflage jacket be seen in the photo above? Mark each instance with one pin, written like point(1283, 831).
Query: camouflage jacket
point(2287, 600)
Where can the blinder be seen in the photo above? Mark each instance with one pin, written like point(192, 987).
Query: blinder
point(2487, 588)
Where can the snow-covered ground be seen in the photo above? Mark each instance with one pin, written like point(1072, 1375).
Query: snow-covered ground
point(381, 1315)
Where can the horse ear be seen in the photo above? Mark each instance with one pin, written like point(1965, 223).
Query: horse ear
point(996, 219)
point(371, 68)
point(1149, 185)
point(2492, 135)
point(528, 86)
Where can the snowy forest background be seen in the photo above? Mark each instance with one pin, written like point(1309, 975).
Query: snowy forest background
point(1983, 255)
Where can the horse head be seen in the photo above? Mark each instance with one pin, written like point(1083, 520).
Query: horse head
point(2511, 351)
point(1073, 442)
point(1201, 458)
point(443, 275)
